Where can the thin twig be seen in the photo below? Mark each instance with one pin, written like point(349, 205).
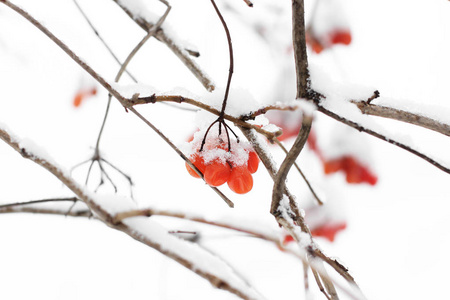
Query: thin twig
point(69, 199)
point(337, 266)
point(305, 278)
point(124, 66)
point(181, 53)
point(180, 99)
point(220, 120)
point(101, 38)
point(86, 213)
point(230, 50)
point(119, 217)
point(265, 109)
point(313, 192)
point(319, 284)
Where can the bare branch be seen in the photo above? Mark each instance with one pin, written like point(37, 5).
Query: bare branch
point(300, 55)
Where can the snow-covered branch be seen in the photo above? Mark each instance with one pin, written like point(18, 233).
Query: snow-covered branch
point(150, 233)
point(180, 99)
point(369, 108)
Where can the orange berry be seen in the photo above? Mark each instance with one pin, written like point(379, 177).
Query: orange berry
point(217, 173)
point(240, 181)
point(333, 166)
point(83, 94)
point(199, 163)
point(253, 162)
point(317, 47)
point(77, 100)
point(312, 41)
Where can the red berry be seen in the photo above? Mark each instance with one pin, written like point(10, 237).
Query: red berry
point(253, 162)
point(240, 181)
point(357, 173)
point(217, 173)
point(341, 37)
point(199, 163)
point(288, 239)
point(329, 231)
point(354, 171)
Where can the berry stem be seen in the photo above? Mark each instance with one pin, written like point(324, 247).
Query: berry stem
point(231, 69)
point(221, 119)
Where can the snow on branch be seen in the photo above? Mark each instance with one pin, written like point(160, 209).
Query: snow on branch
point(404, 116)
point(150, 233)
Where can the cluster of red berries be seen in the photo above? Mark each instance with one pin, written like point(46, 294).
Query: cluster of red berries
point(218, 165)
point(339, 36)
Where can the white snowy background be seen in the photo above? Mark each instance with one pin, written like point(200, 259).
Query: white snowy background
point(397, 241)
